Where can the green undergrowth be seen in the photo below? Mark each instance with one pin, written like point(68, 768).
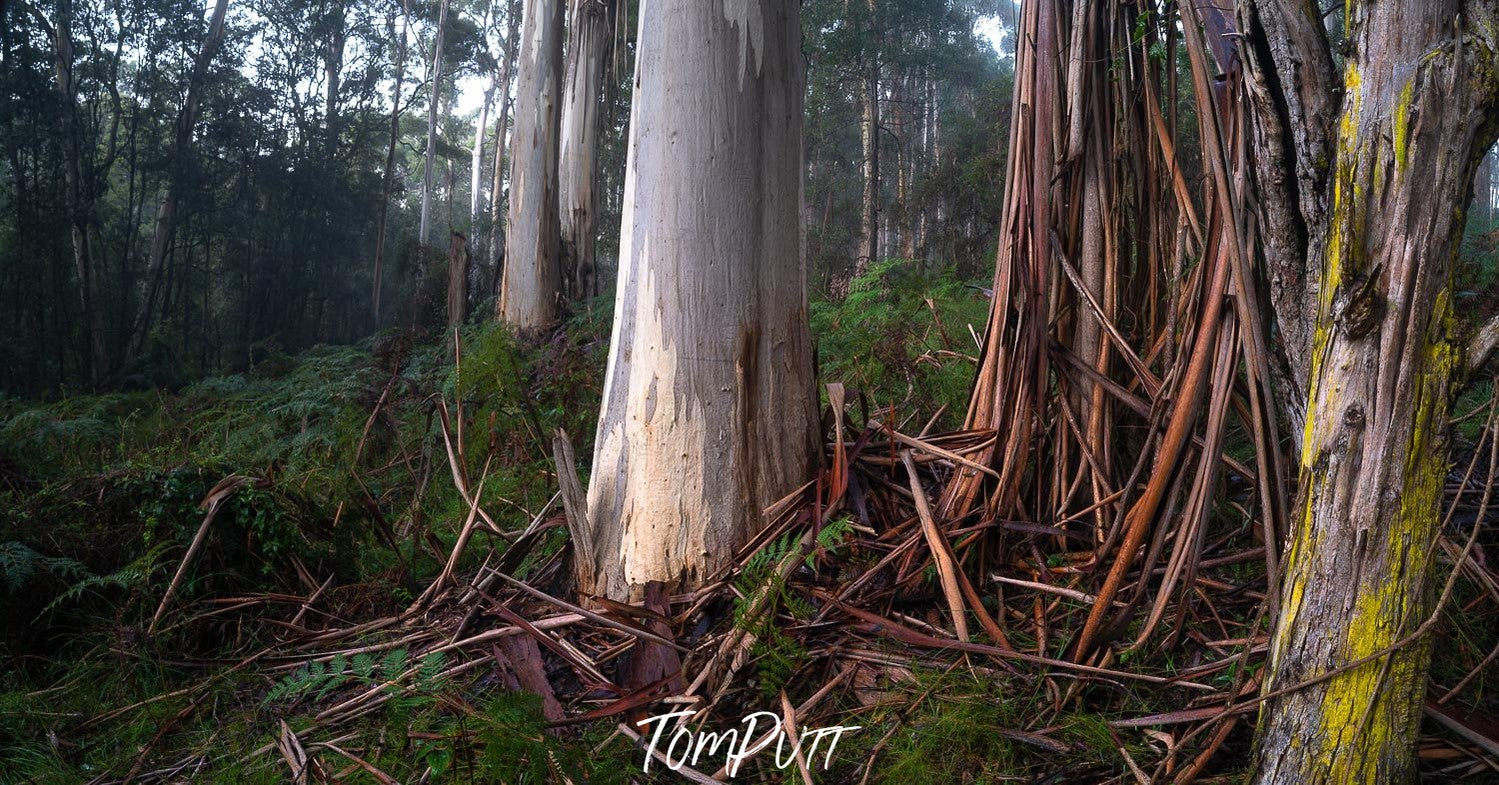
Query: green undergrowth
point(345, 475)
point(902, 338)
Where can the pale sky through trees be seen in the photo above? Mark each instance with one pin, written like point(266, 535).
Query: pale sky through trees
point(471, 86)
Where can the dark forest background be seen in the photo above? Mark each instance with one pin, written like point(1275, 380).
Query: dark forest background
point(278, 179)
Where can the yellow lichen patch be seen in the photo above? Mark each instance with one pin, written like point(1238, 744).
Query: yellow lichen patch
point(1402, 124)
point(1389, 604)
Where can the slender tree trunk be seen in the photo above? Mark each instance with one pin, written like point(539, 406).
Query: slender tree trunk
point(869, 213)
point(166, 215)
point(390, 157)
point(457, 281)
point(1420, 99)
point(333, 63)
point(434, 91)
point(530, 282)
point(476, 163)
point(587, 54)
point(1483, 191)
point(709, 411)
point(497, 188)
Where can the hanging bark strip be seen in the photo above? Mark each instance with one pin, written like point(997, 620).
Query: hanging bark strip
point(1124, 310)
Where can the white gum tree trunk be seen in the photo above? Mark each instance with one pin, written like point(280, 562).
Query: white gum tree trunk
point(529, 287)
point(586, 54)
point(430, 157)
point(709, 410)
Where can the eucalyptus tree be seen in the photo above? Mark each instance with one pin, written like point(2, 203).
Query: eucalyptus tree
point(501, 125)
point(434, 86)
point(166, 214)
point(591, 23)
point(1384, 150)
point(78, 204)
point(531, 277)
point(709, 413)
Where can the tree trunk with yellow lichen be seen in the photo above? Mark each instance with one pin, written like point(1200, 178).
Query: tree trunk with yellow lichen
point(1419, 105)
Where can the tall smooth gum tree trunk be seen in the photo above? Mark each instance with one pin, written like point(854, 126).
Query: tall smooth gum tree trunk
point(532, 273)
point(501, 123)
point(1421, 102)
point(709, 411)
point(434, 87)
point(587, 52)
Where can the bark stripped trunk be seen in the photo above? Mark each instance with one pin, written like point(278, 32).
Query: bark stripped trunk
point(476, 163)
point(709, 412)
point(530, 283)
point(434, 91)
point(390, 158)
point(1421, 92)
point(476, 157)
point(587, 53)
point(457, 281)
point(166, 215)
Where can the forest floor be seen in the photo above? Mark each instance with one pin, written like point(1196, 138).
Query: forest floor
point(335, 623)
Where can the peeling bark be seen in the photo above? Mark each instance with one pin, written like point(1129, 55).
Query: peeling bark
point(587, 53)
point(709, 412)
point(1290, 80)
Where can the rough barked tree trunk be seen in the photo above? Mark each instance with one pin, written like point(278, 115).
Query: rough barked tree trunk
point(1289, 81)
point(1420, 105)
point(529, 283)
point(434, 93)
point(587, 53)
point(709, 412)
